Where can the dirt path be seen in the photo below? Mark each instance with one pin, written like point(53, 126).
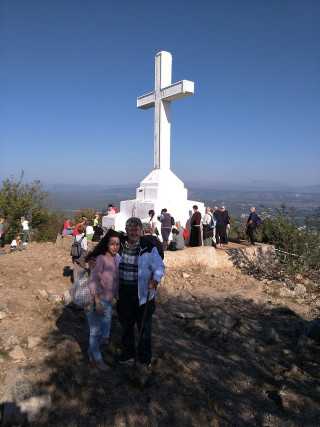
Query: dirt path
point(228, 349)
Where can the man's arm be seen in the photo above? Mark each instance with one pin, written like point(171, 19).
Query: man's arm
point(157, 267)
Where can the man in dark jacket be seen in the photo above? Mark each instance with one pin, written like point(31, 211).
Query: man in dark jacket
point(251, 224)
point(221, 237)
point(226, 222)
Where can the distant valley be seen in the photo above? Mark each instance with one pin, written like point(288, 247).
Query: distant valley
point(68, 198)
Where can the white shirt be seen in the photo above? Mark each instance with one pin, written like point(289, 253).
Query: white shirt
point(14, 243)
point(207, 218)
point(89, 229)
point(25, 225)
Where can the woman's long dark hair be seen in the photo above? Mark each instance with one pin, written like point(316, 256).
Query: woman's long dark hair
point(102, 246)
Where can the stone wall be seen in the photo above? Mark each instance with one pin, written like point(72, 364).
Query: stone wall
point(66, 242)
point(235, 255)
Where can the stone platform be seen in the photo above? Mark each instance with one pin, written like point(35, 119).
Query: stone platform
point(231, 255)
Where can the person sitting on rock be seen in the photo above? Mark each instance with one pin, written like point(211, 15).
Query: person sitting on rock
point(67, 229)
point(177, 242)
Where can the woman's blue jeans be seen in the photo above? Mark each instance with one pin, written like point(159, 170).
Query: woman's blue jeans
point(99, 327)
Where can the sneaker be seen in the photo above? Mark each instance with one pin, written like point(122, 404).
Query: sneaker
point(124, 359)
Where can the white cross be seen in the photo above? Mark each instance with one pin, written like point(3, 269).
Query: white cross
point(161, 98)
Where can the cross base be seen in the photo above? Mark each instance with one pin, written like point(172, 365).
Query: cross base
point(160, 189)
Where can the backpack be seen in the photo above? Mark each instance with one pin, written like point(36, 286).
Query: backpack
point(185, 233)
point(172, 220)
point(212, 223)
point(76, 249)
point(258, 221)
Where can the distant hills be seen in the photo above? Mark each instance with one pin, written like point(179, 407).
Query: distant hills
point(256, 185)
point(237, 197)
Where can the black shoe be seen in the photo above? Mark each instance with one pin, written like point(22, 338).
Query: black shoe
point(123, 359)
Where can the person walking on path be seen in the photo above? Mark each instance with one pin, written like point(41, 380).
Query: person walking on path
point(251, 224)
point(140, 271)
point(195, 234)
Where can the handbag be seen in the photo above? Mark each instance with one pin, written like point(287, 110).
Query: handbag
point(79, 291)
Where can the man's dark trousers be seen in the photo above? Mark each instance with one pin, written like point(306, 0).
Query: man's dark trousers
point(129, 313)
point(251, 234)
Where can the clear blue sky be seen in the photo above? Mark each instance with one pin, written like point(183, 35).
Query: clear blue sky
point(71, 71)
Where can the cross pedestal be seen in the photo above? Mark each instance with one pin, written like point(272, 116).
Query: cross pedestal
point(161, 188)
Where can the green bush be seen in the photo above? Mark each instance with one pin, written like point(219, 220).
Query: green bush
point(298, 248)
point(29, 200)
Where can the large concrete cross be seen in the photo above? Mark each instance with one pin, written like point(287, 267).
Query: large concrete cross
point(161, 98)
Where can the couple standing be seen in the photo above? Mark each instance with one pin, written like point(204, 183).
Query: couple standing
point(127, 269)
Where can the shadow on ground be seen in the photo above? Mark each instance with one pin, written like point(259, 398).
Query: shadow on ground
point(232, 362)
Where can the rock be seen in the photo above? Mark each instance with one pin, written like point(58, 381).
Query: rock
point(185, 275)
point(2, 315)
point(2, 306)
point(80, 375)
point(10, 375)
point(249, 346)
point(271, 336)
point(141, 374)
point(41, 293)
point(66, 298)
point(9, 340)
point(186, 315)
point(23, 402)
point(17, 353)
point(35, 407)
point(290, 284)
point(312, 330)
point(53, 298)
point(300, 289)
point(286, 293)
point(227, 322)
point(304, 342)
point(33, 341)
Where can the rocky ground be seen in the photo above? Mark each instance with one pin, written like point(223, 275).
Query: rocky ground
point(229, 349)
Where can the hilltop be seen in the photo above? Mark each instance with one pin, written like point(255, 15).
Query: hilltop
point(229, 348)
